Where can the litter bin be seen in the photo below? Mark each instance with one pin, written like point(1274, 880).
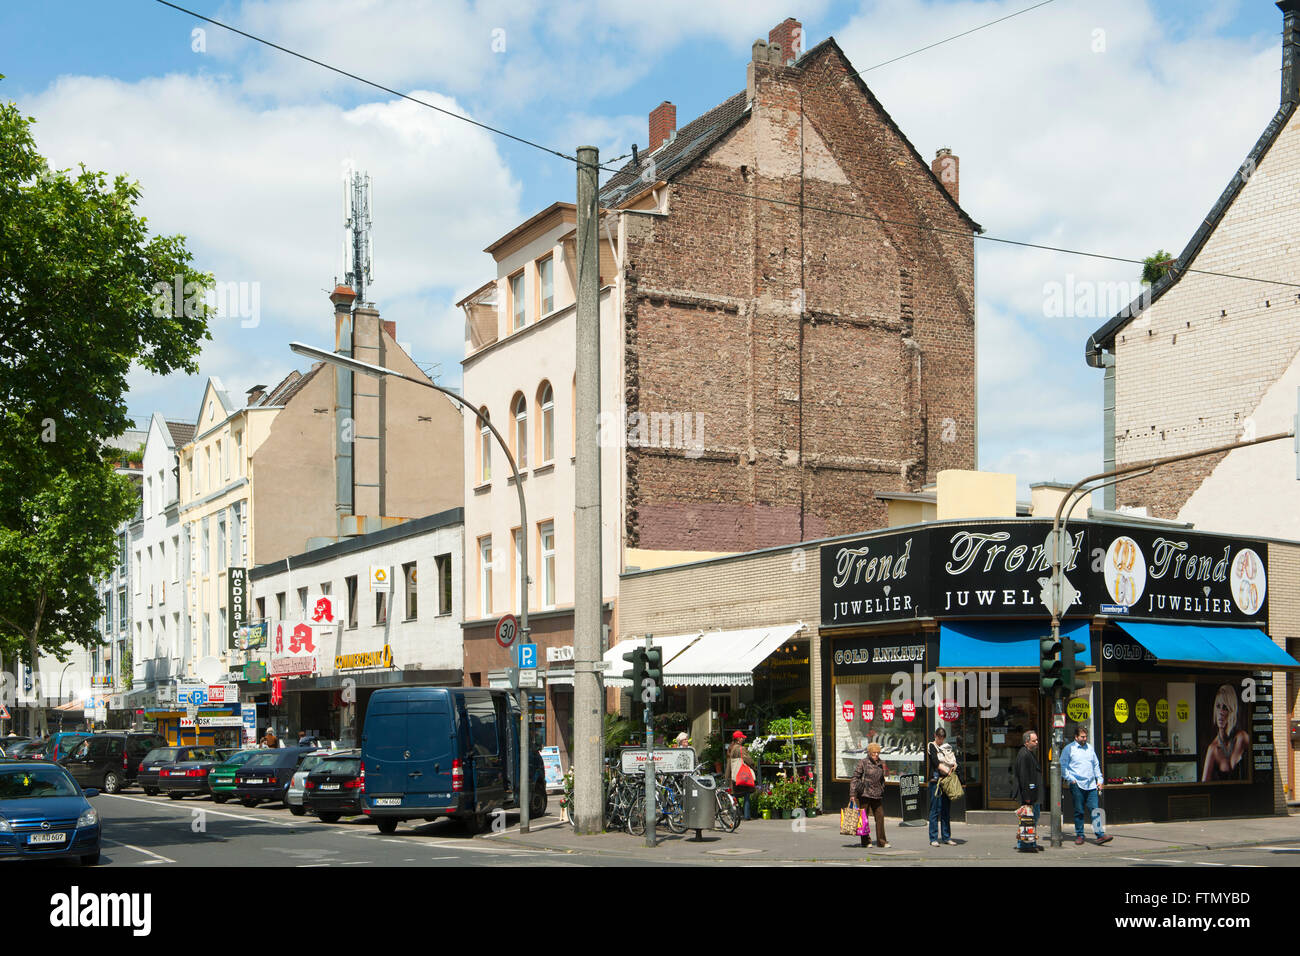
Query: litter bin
point(701, 803)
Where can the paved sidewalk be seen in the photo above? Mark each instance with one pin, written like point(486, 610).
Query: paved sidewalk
point(817, 839)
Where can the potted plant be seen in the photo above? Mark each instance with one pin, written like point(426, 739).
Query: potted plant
point(763, 802)
point(713, 752)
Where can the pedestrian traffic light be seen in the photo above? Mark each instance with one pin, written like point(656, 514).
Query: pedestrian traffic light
point(654, 673)
point(1069, 649)
point(1049, 665)
point(636, 672)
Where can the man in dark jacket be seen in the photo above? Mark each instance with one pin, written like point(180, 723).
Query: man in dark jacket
point(1028, 784)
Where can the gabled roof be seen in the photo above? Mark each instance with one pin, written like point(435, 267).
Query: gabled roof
point(289, 386)
point(181, 432)
point(699, 136)
point(1104, 337)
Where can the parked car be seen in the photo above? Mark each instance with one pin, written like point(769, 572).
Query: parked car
point(109, 761)
point(155, 760)
point(31, 750)
point(221, 778)
point(44, 814)
point(191, 775)
point(9, 745)
point(333, 788)
point(430, 752)
point(265, 777)
point(58, 745)
point(293, 797)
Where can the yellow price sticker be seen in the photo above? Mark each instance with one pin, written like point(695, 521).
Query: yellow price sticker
point(1184, 711)
point(1121, 710)
point(1077, 709)
point(1162, 710)
point(1143, 711)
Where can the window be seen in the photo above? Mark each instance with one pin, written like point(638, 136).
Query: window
point(485, 576)
point(482, 718)
point(517, 545)
point(239, 452)
point(108, 613)
point(381, 607)
point(222, 552)
point(207, 470)
point(868, 698)
point(161, 566)
point(221, 632)
point(236, 532)
point(162, 490)
point(325, 587)
point(206, 547)
point(519, 446)
point(139, 576)
point(148, 573)
point(546, 535)
point(546, 424)
point(351, 584)
point(121, 552)
point(302, 602)
point(279, 604)
point(408, 575)
point(261, 609)
point(221, 471)
point(207, 634)
point(517, 300)
point(194, 476)
point(443, 562)
point(176, 557)
point(546, 285)
point(484, 449)
point(148, 496)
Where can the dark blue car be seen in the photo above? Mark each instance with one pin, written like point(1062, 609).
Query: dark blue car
point(44, 814)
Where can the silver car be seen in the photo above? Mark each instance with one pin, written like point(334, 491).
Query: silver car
point(293, 799)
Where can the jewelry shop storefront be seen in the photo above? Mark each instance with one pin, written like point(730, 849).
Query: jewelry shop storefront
point(940, 625)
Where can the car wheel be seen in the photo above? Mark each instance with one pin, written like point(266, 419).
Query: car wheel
point(537, 804)
point(220, 797)
point(112, 782)
point(297, 811)
point(330, 817)
point(90, 859)
point(387, 826)
point(176, 796)
point(151, 791)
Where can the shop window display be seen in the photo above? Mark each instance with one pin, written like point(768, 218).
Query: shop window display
point(867, 713)
point(1152, 726)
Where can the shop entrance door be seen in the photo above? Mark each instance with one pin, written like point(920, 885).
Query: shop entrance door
point(1003, 736)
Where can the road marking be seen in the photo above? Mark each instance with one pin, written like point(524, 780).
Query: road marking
point(356, 863)
point(1280, 849)
point(157, 857)
point(213, 813)
point(532, 828)
point(303, 866)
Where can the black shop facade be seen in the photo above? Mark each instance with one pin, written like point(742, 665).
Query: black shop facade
point(939, 625)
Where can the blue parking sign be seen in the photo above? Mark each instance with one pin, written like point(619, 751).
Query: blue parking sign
point(526, 656)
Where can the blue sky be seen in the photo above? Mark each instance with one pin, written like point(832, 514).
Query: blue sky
point(1108, 126)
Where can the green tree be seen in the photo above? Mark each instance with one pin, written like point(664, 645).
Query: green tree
point(1154, 268)
point(85, 294)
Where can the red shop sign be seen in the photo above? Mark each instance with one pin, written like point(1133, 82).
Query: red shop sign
point(909, 711)
point(868, 710)
point(887, 711)
point(948, 710)
point(848, 711)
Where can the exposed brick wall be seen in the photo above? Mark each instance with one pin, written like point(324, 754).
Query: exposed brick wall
point(853, 337)
point(1283, 623)
point(1164, 492)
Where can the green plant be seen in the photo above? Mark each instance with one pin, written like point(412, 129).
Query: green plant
point(800, 723)
point(670, 724)
point(618, 731)
point(1154, 268)
point(714, 749)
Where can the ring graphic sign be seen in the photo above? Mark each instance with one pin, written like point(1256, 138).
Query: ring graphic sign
point(1249, 582)
point(1125, 571)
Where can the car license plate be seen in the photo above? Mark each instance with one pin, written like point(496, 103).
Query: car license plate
point(255, 780)
point(47, 837)
point(329, 786)
point(388, 801)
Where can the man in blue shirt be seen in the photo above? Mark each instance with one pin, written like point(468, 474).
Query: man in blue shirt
point(1082, 770)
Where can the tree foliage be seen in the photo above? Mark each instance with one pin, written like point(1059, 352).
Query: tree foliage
point(1155, 267)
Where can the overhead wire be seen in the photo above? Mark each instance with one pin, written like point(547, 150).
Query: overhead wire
point(923, 227)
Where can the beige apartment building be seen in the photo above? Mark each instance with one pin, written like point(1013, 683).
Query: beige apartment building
point(321, 457)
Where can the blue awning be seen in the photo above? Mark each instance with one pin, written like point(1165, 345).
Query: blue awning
point(996, 645)
point(1200, 644)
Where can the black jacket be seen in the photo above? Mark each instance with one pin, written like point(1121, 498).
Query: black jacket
point(1028, 785)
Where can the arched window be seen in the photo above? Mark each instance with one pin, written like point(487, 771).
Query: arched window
point(519, 446)
point(546, 423)
point(484, 448)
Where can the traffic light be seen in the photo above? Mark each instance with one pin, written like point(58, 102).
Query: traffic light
point(636, 672)
point(654, 672)
point(1069, 649)
point(1049, 665)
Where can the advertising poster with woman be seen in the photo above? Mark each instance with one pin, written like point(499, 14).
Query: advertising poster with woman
point(1225, 742)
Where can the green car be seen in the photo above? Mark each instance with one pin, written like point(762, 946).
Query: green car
point(221, 778)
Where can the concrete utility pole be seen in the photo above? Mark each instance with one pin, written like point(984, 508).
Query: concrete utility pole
point(1058, 559)
point(588, 689)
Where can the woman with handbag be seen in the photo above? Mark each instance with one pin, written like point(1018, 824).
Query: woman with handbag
point(868, 791)
point(943, 762)
point(740, 771)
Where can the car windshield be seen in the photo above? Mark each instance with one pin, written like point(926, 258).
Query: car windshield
point(261, 760)
point(161, 754)
point(241, 758)
point(41, 782)
point(342, 765)
point(311, 763)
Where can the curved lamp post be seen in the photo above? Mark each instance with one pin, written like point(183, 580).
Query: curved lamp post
point(378, 371)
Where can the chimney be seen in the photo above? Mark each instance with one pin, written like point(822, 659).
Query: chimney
point(788, 33)
point(663, 123)
point(945, 168)
point(1290, 51)
point(256, 394)
point(342, 297)
point(391, 328)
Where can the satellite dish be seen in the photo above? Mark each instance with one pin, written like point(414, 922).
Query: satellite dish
point(209, 670)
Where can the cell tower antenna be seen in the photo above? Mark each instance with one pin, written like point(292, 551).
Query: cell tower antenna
point(359, 242)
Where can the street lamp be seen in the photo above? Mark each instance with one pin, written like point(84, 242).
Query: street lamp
point(366, 368)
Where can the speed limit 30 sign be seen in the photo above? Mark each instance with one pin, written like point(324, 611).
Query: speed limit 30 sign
point(507, 630)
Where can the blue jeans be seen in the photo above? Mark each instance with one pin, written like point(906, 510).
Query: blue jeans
point(940, 814)
point(744, 797)
point(1085, 808)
